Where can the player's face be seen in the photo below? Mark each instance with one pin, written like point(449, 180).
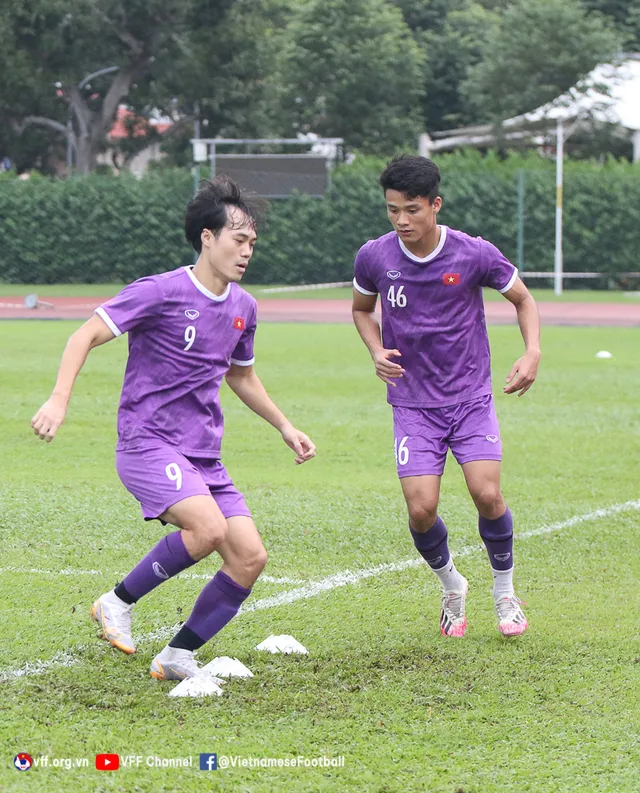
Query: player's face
point(229, 253)
point(412, 218)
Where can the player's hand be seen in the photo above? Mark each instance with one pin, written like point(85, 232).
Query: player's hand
point(302, 445)
point(523, 373)
point(387, 369)
point(49, 418)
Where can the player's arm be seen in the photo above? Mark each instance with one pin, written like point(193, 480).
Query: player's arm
point(48, 419)
point(366, 322)
point(525, 369)
point(247, 386)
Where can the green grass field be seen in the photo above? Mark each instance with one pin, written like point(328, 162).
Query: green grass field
point(554, 711)
point(108, 290)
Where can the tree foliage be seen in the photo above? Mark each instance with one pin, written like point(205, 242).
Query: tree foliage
point(537, 52)
point(352, 69)
point(375, 72)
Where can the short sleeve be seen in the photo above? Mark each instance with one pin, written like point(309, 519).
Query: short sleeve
point(362, 280)
point(137, 303)
point(497, 271)
point(242, 354)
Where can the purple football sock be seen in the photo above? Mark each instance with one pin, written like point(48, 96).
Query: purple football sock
point(432, 544)
point(217, 604)
point(497, 536)
point(167, 559)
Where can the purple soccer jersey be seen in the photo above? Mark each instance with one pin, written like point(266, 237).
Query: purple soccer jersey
point(433, 313)
point(182, 341)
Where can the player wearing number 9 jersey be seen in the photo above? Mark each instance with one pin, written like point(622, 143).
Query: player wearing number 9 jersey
point(188, 329)
point(433, 353)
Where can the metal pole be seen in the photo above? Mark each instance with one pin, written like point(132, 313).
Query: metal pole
point(558, 263)
point(212, 160)
point(520, 234)
point(196, 135)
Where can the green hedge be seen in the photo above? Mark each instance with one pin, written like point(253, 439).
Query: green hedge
point(105, 229)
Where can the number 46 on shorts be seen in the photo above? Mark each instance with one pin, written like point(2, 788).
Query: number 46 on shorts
point(400, 450)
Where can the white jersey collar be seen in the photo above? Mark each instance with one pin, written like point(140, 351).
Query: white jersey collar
point(201, 288)
point(432, 255)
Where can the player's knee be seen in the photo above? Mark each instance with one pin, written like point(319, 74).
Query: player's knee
point(488, 498)
point(254, 562)
point(423, 514)
point(209, 536)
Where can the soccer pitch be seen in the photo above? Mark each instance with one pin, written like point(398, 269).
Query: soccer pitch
point(555, 710)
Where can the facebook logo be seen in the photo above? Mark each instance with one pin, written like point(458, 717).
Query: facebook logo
point(208, 762)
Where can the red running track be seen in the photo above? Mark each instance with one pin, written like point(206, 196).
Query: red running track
point(291, 310)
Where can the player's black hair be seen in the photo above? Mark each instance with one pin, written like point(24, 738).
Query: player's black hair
point(208, 208)
point(416, 177)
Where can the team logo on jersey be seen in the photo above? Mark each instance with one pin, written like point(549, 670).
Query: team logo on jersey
point(192, 313)
point(394, 274)
point(23, 761)
point(492, 438)
point(238, 323)
point(451, 279)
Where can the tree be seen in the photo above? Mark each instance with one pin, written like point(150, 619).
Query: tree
point(234, 84)
point(451, 33)
point(62, 41)
point(453, 51)
point(352, 69)
point(537, 52)
point(625, 14)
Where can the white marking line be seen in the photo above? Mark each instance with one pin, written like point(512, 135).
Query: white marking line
point(38, 571)
point(267, 579)
point(316, 588)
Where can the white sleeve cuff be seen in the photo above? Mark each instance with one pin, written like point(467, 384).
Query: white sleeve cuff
point(360, 289)
point(243, 363)
point(108, 321)
point(512, 281)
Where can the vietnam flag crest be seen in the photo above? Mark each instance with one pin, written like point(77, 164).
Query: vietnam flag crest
point(238, 323)
point(451, 279)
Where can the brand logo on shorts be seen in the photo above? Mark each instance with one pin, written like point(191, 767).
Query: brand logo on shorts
point(492, 438)
point(502, 557)
point(159, 570)
point(394, 274)
point(192, 313)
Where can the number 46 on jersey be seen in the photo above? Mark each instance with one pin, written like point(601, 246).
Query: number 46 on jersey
point(396, 296)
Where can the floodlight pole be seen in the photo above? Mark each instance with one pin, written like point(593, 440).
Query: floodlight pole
point(558, 263)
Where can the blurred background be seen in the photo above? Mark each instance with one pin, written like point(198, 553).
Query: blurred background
point(111, 112)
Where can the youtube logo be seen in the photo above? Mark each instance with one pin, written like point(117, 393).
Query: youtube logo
point(107, 762)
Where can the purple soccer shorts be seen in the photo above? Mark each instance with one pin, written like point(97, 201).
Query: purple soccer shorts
point(422, 436)
point(159, 476)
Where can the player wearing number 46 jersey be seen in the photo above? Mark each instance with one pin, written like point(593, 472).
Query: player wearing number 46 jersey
point(433, 353)
point(188, 329)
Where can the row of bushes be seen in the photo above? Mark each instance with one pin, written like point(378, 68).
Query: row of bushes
point(106, 229)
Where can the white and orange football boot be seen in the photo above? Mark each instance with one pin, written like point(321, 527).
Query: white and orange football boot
point(114, 616)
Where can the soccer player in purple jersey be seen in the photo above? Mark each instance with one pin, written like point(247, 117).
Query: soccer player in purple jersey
point(433, 353)
point(188, 328)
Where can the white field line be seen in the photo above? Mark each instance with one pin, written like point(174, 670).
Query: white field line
point(267, 579)
point(312, 589)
